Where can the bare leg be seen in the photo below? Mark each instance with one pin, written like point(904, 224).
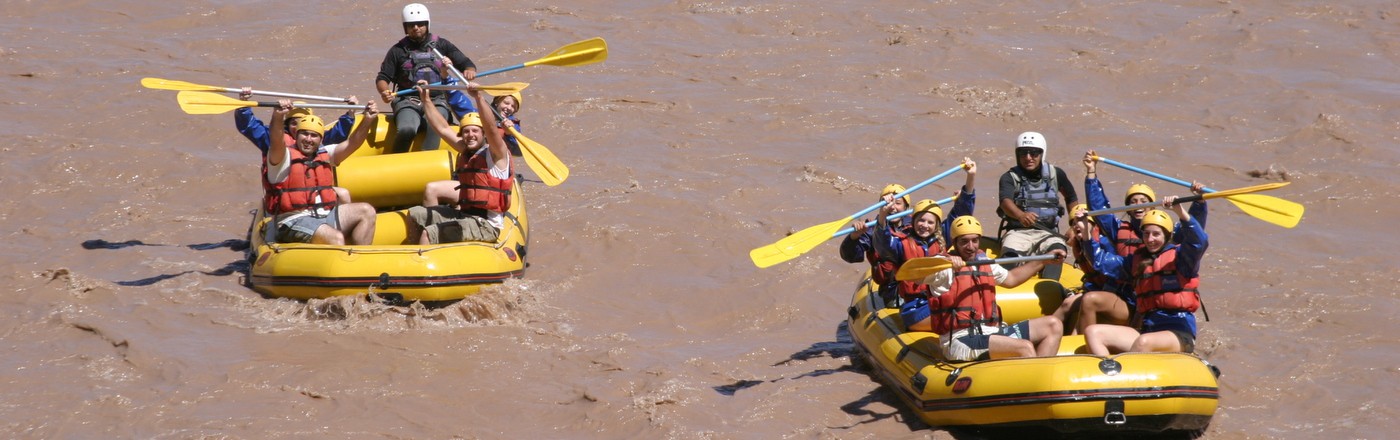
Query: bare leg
point(1069, 312)
point(325, 234)
point(1098, 304)
point(1007, 347)
point(357, 219)
point(1045, 334)
point(1106, 339)
point(1156, 341)
point(438, 191)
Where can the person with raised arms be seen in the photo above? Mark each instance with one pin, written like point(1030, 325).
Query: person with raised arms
point(252, 128)
point(925, 236)
point(961, 305)
point(410, 60)
point(300, 197)
point(1165, 278)
point(485, 180)
point(859, 245)
point(1029, 203)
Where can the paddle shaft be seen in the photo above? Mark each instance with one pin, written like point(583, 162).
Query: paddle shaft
point(305, 105)
point(890, 217)
point(1009, 260)
point(1149, 173)
point(906, 192)
point(293, 96)
point(165, 84)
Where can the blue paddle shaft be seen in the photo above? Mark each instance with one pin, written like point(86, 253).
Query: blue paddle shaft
point(906, 192)
point(1149, 173)
point(891, 217)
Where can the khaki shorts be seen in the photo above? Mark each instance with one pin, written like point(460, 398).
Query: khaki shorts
point(447, 224)
point(1030, 241)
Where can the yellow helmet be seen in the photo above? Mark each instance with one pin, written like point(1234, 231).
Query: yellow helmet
point(518, 102)
point(895, 188)
point(1077, 207)
point(927, 205)
point(966, 225)
point(1158, 217)
point(1140, 188)
point(311, 123)
point(298, 112)
point(472, 118)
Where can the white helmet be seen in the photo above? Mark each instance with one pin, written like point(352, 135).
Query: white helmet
point(414, 13)
point(1031, 139)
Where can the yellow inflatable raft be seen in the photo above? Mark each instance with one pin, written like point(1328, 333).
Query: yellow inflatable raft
point(1071, 392)
point(394, 266)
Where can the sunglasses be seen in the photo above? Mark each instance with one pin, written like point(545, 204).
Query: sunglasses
point(416, 24)
point(1032, 152)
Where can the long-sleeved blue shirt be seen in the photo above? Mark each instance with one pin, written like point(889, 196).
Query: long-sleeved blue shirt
point(1108, 223)
point(256, 132)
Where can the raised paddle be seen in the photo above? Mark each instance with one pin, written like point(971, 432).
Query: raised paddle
point(549, 168)
point(584, 52)
point(205, 103)
point(922, 267)
point(1237, 192)
point(807, 239)
point(498, 89)
point(167, 84)
point(1270, 209)
point(890, 217)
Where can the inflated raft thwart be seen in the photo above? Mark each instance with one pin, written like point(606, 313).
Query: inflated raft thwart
point(1071, 392)
point(394, 266)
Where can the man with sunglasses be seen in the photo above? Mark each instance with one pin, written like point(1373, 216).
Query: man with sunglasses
point(1030, 206)
point(410, 60)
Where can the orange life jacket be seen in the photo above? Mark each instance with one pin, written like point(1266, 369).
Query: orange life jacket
point(910, 290)
point(970, 301)
point(1127, 240)
point(478, 189)
point(1158, 286)
point(306, 179)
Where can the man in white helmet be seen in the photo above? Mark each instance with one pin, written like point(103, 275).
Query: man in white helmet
point(412, 59)
point(1029, 206)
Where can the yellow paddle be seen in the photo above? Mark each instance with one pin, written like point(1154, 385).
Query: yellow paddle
point(167, 84)
point(919, 268)
point(807, 239)
point(1270, 209)
point(593, 50)
point(551, 170)
point(205, 103)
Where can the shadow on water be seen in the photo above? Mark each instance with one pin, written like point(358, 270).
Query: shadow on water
point(240, 266)
point(840, 348)
point(232, 244)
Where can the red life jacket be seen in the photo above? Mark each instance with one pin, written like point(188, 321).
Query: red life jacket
point(910, 290)
point(1159, 287)
point(970, 301)
point(478, 189)
point(306, 179)
point(1127, 241)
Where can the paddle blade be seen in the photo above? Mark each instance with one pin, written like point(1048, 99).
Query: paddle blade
point(505, 88)
point(1245, 190)
point(205, 103)
point(540, 159)
point(166, 84)
point(593, 50)
point(1270, 209)
point(919, 268)
point(796, 244)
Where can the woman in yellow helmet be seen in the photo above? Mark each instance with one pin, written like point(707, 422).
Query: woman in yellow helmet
point(859, 245)
point(924, 236)
point(1165, 277)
